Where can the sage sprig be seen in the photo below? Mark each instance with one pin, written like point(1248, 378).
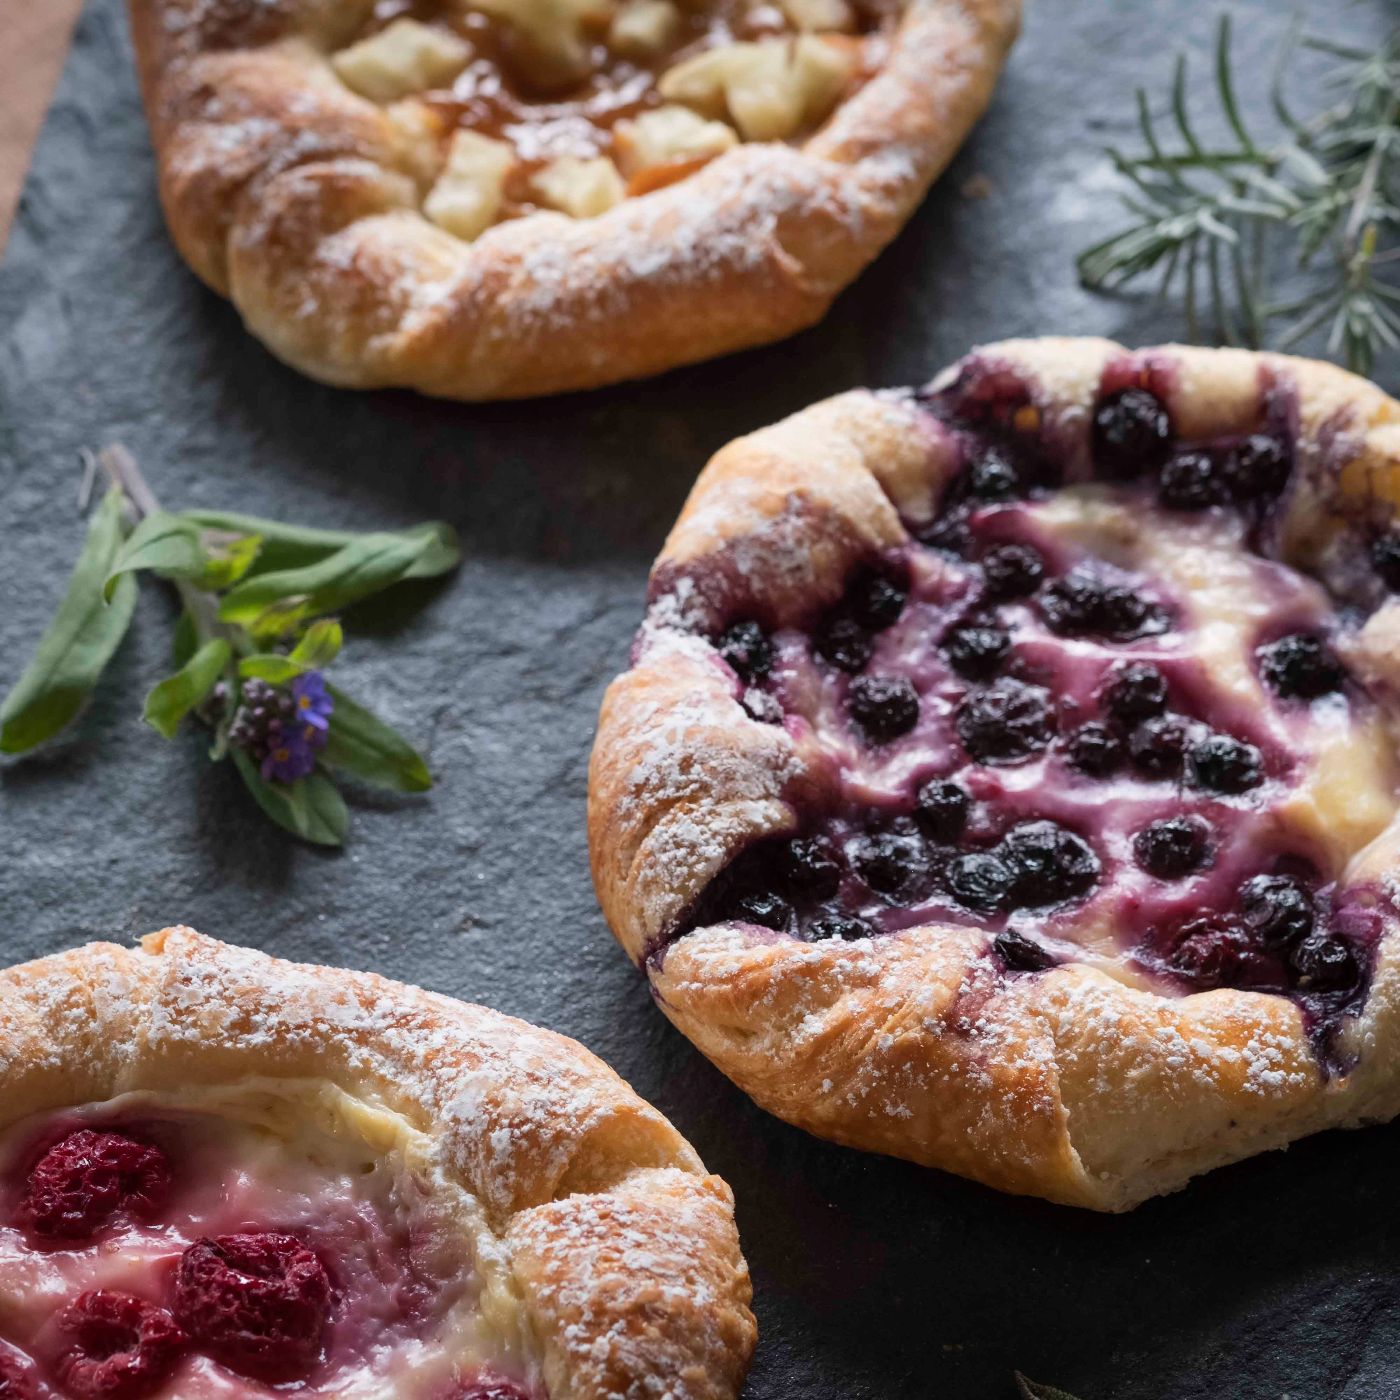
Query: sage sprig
point(1217, 221)
point(254, 637)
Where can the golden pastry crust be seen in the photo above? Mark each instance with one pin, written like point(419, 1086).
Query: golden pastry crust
point(623, 1251)
point(301, 201)
point(1083, 1083)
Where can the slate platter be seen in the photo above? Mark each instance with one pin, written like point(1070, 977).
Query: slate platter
point(874, 1280)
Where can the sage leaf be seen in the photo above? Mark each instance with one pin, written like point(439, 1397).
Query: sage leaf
point(184, 641)
point(79, 642)
point(1035, 1390)
point(174, 697)
point(359, 743)
point(176, 547)
point(311, 808)
point(287, 547)
point(270, 666)
point(283, 546)
point(273, 604)
point(320, 646)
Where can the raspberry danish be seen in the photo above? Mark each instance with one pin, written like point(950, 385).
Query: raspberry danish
point(224, 1176)
point(1007, 779)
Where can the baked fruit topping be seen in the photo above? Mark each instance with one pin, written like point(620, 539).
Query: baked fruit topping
point(1129, 737)
point(86, 1180)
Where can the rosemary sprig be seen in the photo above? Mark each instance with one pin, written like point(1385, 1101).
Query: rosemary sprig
point(1219, 221)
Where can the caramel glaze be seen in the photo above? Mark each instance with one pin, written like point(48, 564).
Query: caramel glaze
point(493, 94)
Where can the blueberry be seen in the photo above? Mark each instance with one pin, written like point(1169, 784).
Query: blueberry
point(1258, 468)
point(1136, 691)
point(1192, 481)
point(1131, 433)
point(1278, 910)
point(1212, 950)
point(1322, 963)
point(844, 643)
point(1012, 571)
point(1094, 749)
point(1082, 604)
point(1049, 863)
point(892, 860)
point(1020, 954)
point(1158, 746)
point(974, 651)
point(1221, 763)
point(876, 600)
point(745, 646)
point(980, 881)
point(1172, 847)
point(1385, 559)
point(1300, 666)
point(884, 706)
point(811, 867)
point(846, 927)
point(762, 907)
point(942, 810)
point(994, 477)
point(1005, 723)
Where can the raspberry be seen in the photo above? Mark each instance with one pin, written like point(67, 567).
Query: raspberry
point(115, 1347)
point(257, 1303)
point(16, 1379)
point(87, 1179)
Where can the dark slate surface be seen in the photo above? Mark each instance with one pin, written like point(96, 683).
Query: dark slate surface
point(875, 1281)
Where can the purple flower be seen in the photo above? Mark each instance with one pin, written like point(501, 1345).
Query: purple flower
point(289, 755)
point(312, 706)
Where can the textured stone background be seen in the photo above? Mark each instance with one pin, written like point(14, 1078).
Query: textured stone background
point(875, 1281)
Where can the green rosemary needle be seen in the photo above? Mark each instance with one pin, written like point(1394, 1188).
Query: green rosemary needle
point(1219, 221)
